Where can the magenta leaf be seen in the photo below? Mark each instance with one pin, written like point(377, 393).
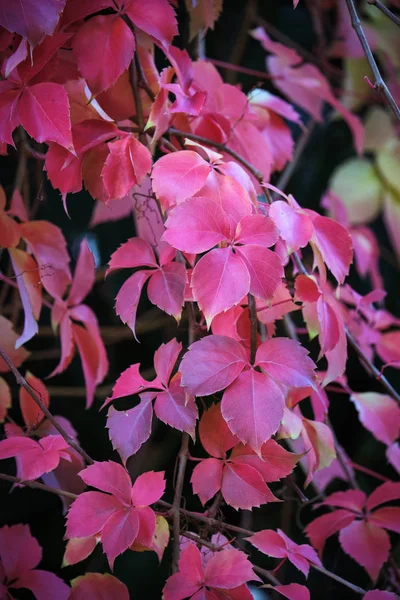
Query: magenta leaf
point(156, 19)
point(173, 408)
point(148, 488)
point(166, 288)
point(89, 513)
point(212, 364)
point(97, 586)
point(253, 408)
point(119, 533)
point(30, 20)
point(109, 477)
point(127, 164)
point(243, 487)
point(368, 544)
point(286, 361)
point(127, 300)
point(165, 358)
point(133, 253)
point(207, 478)
point(128, 430)
point(323, 527)
point(220, 280)
point(265, 269)
point(293, 591)
point(228, 569)
point(43, 585)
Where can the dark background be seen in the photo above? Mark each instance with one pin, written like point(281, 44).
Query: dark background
point(329, 145)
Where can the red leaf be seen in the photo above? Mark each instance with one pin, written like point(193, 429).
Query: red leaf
point(44, 113)
point(64, 170)
point(215, 434)
point(387, 517)
point(165, 358)
point(9, 231)
point(84, 276)
point(378, 595)
point(78, 549)
point(367, 544)
point(253, 408)
point(5, 399)
point(275, 461)
point(212, 364)
point(220, 280)
point(34, 458)
point(110, 37)
point(295, 227)
point(126, 165)
point(334, 243)
point(206, 478)
point(386, 492)
point(97, 586)
point(9, 118)
point(293, 591)
point(14, 539)
point(179, 176)
point(243, 487)
point(31, 413)
point(42, 584)
point(256, 230)
point(353, 500)
point(128, 430)
point(88, 351)
point(157, 18)
point(32, 21)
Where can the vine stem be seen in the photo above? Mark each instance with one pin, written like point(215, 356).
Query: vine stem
point(253, 327)
point(384, 9)
point(23, 383)
point(368, 365)
point(379, 83)
point(38, 486)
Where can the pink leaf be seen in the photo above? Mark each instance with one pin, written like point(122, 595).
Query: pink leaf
point(5, 399)
point(319, 446)
point(253, 408)
point(190, 577)
point(212, 364)
point(167, 287)
point(48, 245)
point(367, 544)
point(118, 533)
point(206, 478)
point(88, 351)
point(265, 270)
point(215, 434)
point(296, 228)
point(128, 430)
point(148, 488)
point(293, 591)
point(89, 513)
point(127, 300)
point(353, 500)
point(156, 19)
point(228, 569)
point(178, 176)
point(286, 361)
point(127, 164)
point(43, 585)
point(147, 526)
point(387, 517)
point(84, 276)
point(29, 20)
point(220, 280)
point(64, 170)
point(130, 382)
point(165, 358)
point(386, 492)
point(109, 477)
point(109, 36)
point(273, 463)
point(323, 527)
point(133, 253)
point(388, 346)
point(379, 414)
point(378, 595)
point(196, 225)
point(243, 487)
point(33, 458)
point(78, 549)
point(256, 230)
point(334, 243)
point(44, 113)
point(15, 561)
point(97, 586)
point(175, 410)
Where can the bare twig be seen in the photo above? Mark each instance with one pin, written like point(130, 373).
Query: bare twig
point(379, 83)
point(253, 327)
point(385, 11)
point(38, 486)
point(23, 383)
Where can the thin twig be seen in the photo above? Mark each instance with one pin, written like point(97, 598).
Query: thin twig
point(138, 100)
point(23, 383)
point(253, 327)
point(379, 83)
point(385, 11)
point(38, 486)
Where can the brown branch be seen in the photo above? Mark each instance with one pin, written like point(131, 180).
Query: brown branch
point(23, 383)
point(137, 98)
point(38, 486)
point(388, 13)
point(379, 83)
